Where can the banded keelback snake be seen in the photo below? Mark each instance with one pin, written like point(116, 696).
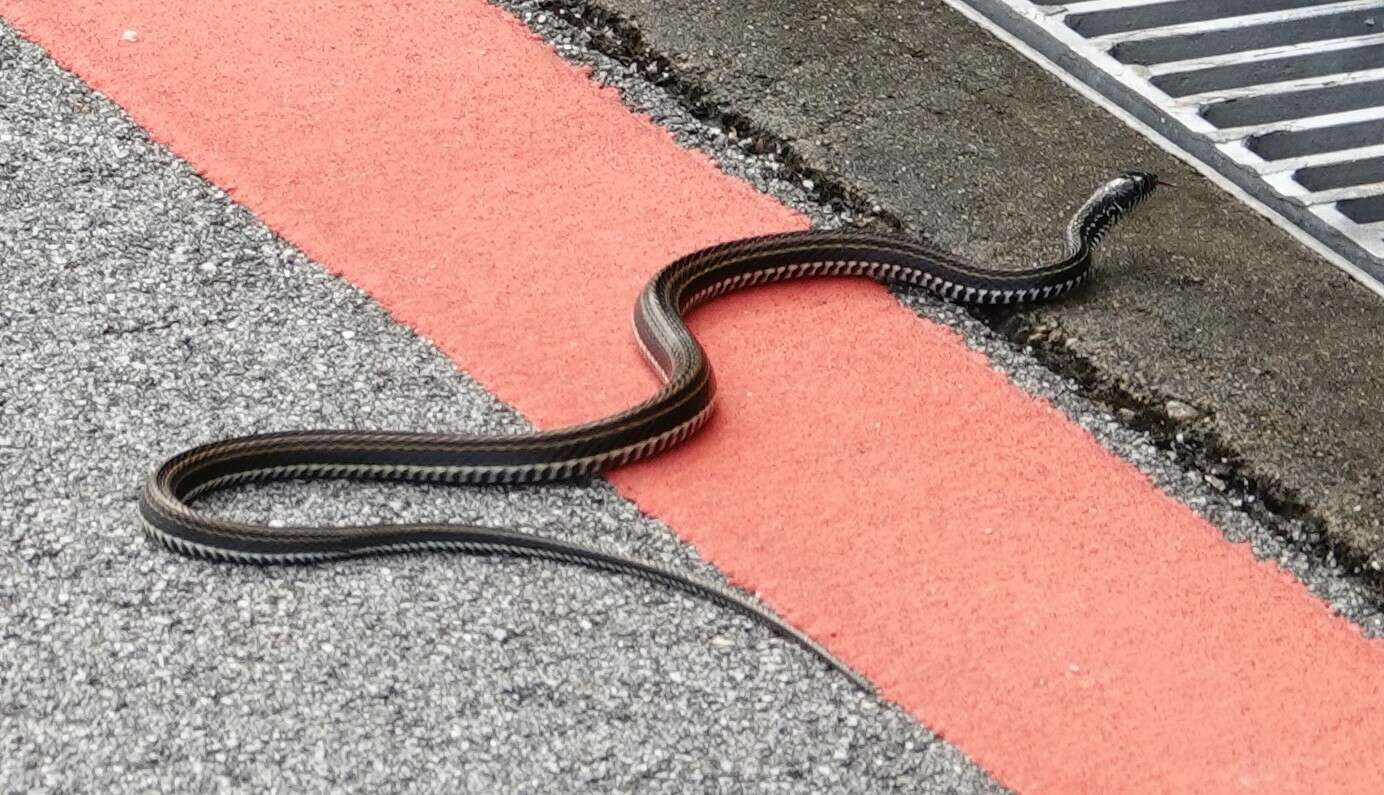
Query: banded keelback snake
point(675, 412)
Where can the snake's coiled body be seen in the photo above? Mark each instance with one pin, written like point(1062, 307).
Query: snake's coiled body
point(675, 412)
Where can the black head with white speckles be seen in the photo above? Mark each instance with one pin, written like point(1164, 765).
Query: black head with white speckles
point(1108, 205)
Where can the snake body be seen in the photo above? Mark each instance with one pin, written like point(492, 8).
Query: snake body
point(672, 414)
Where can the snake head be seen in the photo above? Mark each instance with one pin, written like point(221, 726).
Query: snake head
point(1110, 203)
point(1138, 185)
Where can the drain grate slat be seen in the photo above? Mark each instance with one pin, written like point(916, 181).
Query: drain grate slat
point(1282, 98)
point(1339, 195)
point(1296, 143)
point(1199, 44)
point(1363, 211)
point(1264, 108)
point(1130, 18)
point(1341, 175)
point(1315, 63)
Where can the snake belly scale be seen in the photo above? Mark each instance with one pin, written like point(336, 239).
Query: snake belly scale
point(672, 414)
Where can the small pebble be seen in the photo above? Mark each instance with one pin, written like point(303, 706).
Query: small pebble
point(1180, 412)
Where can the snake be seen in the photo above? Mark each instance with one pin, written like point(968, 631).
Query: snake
point(681, 406)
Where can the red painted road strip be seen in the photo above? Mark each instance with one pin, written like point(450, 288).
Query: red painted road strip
point(1015, 586)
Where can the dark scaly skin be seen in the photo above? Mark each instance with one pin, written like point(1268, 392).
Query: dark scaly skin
point(675, 412)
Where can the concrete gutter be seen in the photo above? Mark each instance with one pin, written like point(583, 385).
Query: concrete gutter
point(1248, 356)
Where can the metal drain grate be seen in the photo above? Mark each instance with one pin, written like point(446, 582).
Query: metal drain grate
point(1284, 98)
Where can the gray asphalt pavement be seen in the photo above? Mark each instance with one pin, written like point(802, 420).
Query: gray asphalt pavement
point(143, 312)
point(1272, 361)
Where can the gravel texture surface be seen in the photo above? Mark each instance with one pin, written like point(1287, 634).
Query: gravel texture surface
point(143, 312)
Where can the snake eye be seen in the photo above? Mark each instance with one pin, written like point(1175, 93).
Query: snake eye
point(1143, 180)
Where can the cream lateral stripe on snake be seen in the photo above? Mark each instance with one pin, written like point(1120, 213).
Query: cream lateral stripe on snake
point(671, 415)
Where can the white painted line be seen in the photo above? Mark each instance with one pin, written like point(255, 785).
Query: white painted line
point(1371, 236)
point(1103, 5)
point(1340, 194)
point(1319, 159)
